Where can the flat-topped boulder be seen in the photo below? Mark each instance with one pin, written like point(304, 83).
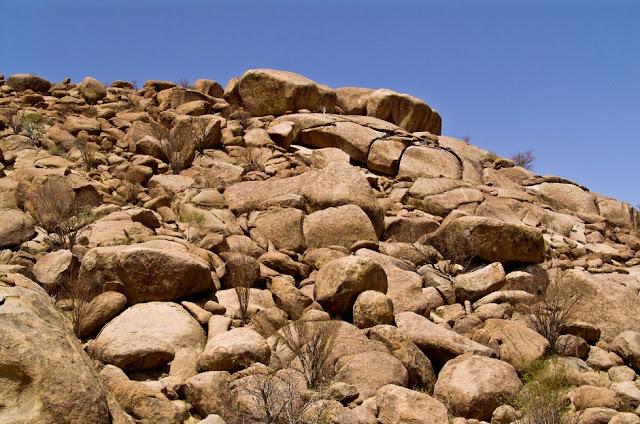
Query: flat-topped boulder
point(23, 82)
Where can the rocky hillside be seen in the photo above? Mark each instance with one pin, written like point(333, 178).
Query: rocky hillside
point(279, 251)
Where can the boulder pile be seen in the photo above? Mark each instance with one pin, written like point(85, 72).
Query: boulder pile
point(281, 251)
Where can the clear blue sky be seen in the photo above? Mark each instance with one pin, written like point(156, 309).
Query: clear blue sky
point(559, 77)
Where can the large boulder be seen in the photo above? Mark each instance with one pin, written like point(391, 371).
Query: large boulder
point(272, 92)
point(146, 274)
point(92, 90)
point(488, 239)
point(148, 335)
point(45, 375)
point(339, 282)
point(234, 350)
point(398, 404)
point(567, 196)
point(440, 196)
point(341, 226)
point(283, 227)
point(438, 343)
point(22, 82)
point(403, 110)
point(474, 385)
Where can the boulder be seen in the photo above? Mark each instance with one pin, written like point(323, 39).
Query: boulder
point(320, 158)
point(270, 92)
point(23, 82)
point(146, 405)
point(440, 196)
point(488, 239)
point(438, 343)
point(476, 284)
point(208, 392)
point(422, 161)
point(401, 405)
point(233, 351)
point(209, 87)
point(339, 282)
point(627, 345)
point(92, 90)
point(514, 342)
point(474, 385)
point(283, 227)
point(46, 375)
point(56, 268)
point(102, 309)
point(75, 124)
point(567, 196)
point(350, 137)
point(146, 274)
point(287, 297)
point(403, 110)
point(148, 335)
point(369, 371)
point(384, 155)
point(372, 308)
point(341, 226)
point(16, 227)
point(353, 100)
point(419, 368)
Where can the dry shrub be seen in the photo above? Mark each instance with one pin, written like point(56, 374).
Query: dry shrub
point(86, 153)
point(524, 159)
point(281, 398)
point(311, 344)
point(184, 83)
point(129, 191)
point(58, 211)
point(240, 276)
point(200, 133)
point(173, 150)
point(553, 309)
point(74, 298)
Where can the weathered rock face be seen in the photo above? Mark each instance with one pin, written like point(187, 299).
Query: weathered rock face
point(148, 335)
point(146, 274)
point(36, 340)
point(475, 385)
point(92, 90)
point(489, 239)
point(474, 285)
point(398, 405)
point(369, 371)
point(16, 227)
point(339, 226)
point(339, 282)
point(403, 110)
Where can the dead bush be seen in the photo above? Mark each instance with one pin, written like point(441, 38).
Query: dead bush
point(201, 132)
point(86, 153)
point(240, 276)
point(173, 151)
point(281, 398)
point(524, 159)
point(311, 344)
point(58, 212)
point(74, 297)
point(553, 309)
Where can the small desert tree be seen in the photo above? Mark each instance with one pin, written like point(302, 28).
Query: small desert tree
point(524, 159)
point(173, 150)
point(240, 274)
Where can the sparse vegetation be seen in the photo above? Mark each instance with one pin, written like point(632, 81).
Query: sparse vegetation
point(184, 83)
point(524, 159)
point(491, 157)
point(32, 123)
point(86, 153)
point(74, 297)
point(193, 218)
point(311, 343)
point(172, 149)
point(542, 399)
point(279, 398)
point(200, 132)
point(552, 310)
point(240, 278)
point(58, 213)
